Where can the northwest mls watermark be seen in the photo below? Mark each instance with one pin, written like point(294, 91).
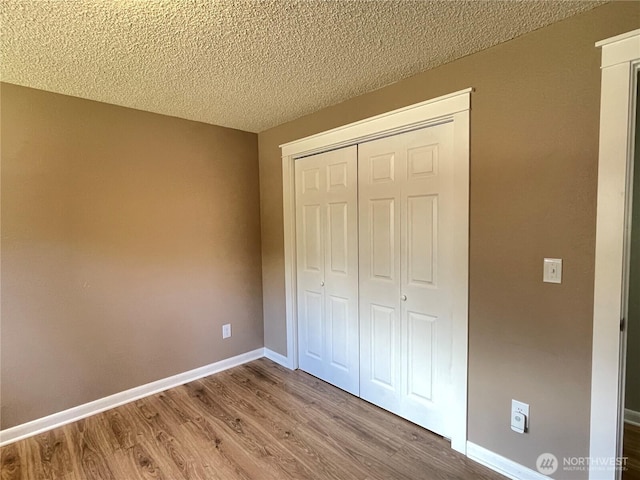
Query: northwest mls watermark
point(548, 464)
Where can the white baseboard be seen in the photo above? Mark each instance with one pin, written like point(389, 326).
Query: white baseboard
point(632, 417)
point(55, 420)
point(278, 358)
point(501, 464)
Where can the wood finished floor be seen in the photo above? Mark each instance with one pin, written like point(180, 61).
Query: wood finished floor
point(257, 421)
point(631, 448)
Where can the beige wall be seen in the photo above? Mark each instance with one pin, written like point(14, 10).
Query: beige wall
point(534, 147)
point(128, 239)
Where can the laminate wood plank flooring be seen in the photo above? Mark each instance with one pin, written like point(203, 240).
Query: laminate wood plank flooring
point(258, 421)
point(631, 450)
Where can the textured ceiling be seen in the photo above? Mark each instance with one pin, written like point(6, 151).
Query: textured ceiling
point(247, 64)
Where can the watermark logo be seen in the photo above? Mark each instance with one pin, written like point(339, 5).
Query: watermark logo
point(547, 463)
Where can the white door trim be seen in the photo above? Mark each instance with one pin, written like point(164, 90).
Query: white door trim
point(619, 54)
point(448, 108)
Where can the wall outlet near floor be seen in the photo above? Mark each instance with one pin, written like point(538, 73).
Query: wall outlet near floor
point(226, 330)
point(519, 416)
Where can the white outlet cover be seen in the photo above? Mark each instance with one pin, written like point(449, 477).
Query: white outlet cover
point(226, 330)
point(522, 408)
point(518, 422)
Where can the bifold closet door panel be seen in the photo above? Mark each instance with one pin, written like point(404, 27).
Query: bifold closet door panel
point(406, 232)
point(379, 181)
point(327, 259)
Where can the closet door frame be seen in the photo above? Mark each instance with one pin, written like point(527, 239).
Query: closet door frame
point(454, 108)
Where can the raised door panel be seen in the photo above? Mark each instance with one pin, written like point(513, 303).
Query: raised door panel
point(338, 176)
point(311, 239)
point(422, 161)
point(339, 339)
point(421, 356)
point(383, 351)
point(338, 244)
point(381, 167)
point(313, 324)
point(422, 239)
point(382, 248)
point(310, 180)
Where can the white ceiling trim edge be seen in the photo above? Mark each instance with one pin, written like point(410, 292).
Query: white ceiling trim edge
point(436, 110)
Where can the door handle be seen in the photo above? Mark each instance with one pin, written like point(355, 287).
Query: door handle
point(322, 284)
point(403, 298)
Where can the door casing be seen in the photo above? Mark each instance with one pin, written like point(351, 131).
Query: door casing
point(454, 108)
point(620, 58)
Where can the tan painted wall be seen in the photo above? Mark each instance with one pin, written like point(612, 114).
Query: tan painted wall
point(128, 239)
point(534, 147)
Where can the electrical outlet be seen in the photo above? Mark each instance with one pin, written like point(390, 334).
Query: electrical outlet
point(226, 330)
point(519, 416)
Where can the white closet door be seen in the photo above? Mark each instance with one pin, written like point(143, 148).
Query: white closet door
point(406, 231)
point(327, 259)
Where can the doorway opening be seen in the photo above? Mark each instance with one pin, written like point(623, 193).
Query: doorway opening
point(630, 380)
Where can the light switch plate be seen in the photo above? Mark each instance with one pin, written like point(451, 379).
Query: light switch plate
point(552, 270)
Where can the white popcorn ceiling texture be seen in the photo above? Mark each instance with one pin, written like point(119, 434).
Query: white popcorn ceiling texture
point(247, 64)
